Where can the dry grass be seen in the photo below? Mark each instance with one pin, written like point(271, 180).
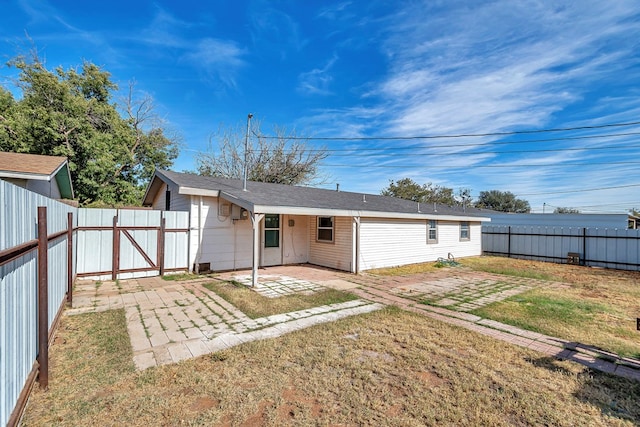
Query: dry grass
point(596, 307)
point(405, 270)
point(255, 305)
point(388, 368)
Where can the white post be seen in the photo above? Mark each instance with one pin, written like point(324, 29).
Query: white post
point(255, 223)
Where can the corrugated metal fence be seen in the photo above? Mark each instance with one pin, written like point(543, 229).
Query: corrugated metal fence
point(597, 247)
point(34, 284)
point(19, 291)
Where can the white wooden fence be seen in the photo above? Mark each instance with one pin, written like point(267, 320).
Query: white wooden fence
point(597, 247)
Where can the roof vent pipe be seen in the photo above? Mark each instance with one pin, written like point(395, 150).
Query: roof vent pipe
point(337, 186)
point(435, 209)
point(418, 207)
point(364, 198)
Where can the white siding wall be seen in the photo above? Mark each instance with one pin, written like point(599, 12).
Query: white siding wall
point(217, 239)
point(179, 202)
point(46, 188)
point(336, 254)
point(388, 243)
point(295, 239)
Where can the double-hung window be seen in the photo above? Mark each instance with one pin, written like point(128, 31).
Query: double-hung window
point(464, 230)
point(432, 231)
point(325, 229)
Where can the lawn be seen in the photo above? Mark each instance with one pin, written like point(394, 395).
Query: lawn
point(595, 306)
point(592, 306)
point(387, 368)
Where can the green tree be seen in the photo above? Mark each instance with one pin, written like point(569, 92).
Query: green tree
point(71, 113)
point(502, 201)
point(563, 210)
point(408, 189)
point(283, 159)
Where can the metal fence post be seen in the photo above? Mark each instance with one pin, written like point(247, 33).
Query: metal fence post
point(70, 258)
point(43, 299)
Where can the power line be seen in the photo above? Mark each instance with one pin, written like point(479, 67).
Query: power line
point(463, 135)
point(579, 191)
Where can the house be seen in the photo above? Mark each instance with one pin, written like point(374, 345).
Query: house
point(578, 220)
point(273, 224)
point(46, 175)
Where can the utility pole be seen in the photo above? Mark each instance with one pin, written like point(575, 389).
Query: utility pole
point(246, 147)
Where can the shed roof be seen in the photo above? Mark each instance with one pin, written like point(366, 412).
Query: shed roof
point(37, 167)
point(278, 198)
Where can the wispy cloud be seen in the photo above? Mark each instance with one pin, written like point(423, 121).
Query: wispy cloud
point(217, 58)
point(318, 80)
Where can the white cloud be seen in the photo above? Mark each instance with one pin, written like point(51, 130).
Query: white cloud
point(318, 80)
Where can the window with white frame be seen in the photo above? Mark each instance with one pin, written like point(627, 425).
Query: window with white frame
point(325, 229)
point(432, 231)
point(464, 230)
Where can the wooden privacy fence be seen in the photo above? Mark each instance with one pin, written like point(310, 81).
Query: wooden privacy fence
point(596, 247)
point(36, 275)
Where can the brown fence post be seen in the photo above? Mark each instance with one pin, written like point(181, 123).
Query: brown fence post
point(116, 249)
point(70, 258)
point(43, 299)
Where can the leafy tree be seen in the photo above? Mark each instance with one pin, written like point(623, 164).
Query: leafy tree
point(70, 113)
point(503, 201)
point(562, 210)
point(280, 160)
point(408, 189)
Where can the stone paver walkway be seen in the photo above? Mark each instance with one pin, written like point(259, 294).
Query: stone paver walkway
point(172, 321)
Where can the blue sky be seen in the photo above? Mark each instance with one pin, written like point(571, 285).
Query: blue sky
point(382, 69)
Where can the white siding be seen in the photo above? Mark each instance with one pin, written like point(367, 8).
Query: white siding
point(393, 242)
point(179, 202)
point(219, 240)
point(336, 254)
point(295, 239)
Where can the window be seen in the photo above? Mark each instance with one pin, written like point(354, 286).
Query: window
point(464, 230)
point(271, 231)
point(432, 231)
point(325, 228)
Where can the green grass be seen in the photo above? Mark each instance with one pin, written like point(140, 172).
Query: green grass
point(549, 311)
point(180, 276)
point(255, 305)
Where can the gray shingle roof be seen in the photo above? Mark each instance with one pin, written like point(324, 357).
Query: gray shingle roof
point(279, 195)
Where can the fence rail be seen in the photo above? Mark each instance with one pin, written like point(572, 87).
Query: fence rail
point(597, 247)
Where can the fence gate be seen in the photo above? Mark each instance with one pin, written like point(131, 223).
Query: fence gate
point(127, 243)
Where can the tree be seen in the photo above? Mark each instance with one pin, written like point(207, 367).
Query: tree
point(562, 210)
point(283, 159)
point(503, 201)
point(70, 113)
point(408, 189)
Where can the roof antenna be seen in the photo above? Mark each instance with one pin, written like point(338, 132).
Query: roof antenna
point(246, 144)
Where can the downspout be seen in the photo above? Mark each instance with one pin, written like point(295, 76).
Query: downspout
point(357, 263)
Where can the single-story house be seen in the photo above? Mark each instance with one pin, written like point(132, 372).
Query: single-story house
point(273, 224)
point(46, 175)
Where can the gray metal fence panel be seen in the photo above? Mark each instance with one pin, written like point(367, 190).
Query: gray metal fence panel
point(18, 285)
point(95, 246)
point(176, 243)
point(609, 248)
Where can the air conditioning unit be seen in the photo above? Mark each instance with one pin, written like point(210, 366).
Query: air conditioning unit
point(239, 213)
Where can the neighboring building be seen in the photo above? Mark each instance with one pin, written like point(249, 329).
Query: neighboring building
point(273, 224)
point(619, 221)
point(46, 175)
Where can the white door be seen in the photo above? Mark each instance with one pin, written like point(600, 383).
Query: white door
point(271, 241)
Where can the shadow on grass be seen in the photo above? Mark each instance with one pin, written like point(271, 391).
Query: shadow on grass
point(616, 397)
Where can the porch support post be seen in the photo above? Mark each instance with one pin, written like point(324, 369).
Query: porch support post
point(255, 223)
point(356, 268)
